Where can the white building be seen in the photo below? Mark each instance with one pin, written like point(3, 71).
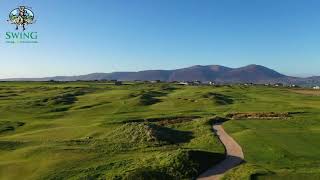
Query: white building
point(316, 87)
point(183, 83)
point(212, 83)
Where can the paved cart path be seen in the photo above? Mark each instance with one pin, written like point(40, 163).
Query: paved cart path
point(234, 156)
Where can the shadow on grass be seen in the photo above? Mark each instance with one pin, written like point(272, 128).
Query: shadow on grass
point(206, 159)
point(228, 163)
point(7, 126)
point(147, 98)
point(146, 174)
point(218, 120)
point(151, 134)
point(286, 176)
point(10, 145)
point(170, 136)
point(219, 99)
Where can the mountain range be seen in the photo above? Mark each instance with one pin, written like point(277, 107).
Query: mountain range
point(220, 74)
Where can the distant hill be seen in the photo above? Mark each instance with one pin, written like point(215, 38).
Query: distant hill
point(220, 74)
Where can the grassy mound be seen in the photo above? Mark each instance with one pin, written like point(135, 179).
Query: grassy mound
point(146, 174)
point(149, 134)
point(10, 145)
point(219, 99)
point(63, 99)
point(91, 105)
point(6, 126)
point(163, 121)
point(146, 98)
point(66, 98)
point(182, 164)
point(8, 95)
point(245, 171)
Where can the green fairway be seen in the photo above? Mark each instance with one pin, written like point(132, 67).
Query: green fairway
point(279, 148)
point(96, 130)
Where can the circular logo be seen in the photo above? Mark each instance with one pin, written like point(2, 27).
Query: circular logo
point(21, 16)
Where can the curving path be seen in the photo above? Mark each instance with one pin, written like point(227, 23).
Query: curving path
point(234, 156)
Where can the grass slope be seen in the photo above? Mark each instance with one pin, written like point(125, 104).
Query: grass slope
point(84, 131)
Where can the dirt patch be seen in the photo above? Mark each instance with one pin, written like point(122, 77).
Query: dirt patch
point(259, 115)
point(314, 92)
point(234, 156)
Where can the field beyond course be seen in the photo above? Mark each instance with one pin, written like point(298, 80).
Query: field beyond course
point(96, 130)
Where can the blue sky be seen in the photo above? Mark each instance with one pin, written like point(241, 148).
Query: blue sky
point(81, 36)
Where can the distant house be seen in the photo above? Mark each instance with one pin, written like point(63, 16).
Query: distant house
point(209, 83)
point(190, 83)
point(155, 81)
point(212, 83)
point(183, 83)
point(316, 87)
point(197, 82)
point(278, 84)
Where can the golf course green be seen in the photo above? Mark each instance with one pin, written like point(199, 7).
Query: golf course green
point(97, 130)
